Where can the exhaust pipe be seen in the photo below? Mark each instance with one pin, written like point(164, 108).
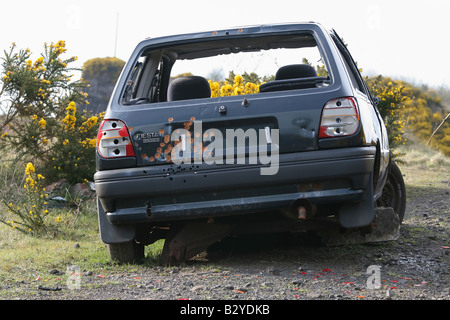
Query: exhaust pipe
point(301, 213)
point(301, 210)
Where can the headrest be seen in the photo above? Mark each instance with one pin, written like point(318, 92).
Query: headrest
point(190, 87)
point(295, 71)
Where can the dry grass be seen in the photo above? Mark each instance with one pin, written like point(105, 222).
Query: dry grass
point(420, 156)
point(12, 178)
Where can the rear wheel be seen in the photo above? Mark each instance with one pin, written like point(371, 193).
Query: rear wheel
point(127, 252)
point(394, 192)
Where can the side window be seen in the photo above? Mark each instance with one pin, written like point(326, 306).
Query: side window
point(352, 75)
point(142, 83)
point(351, 67)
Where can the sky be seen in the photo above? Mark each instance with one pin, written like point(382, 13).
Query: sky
point(406, 40)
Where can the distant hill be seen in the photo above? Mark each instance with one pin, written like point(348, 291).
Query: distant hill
point(101, 74)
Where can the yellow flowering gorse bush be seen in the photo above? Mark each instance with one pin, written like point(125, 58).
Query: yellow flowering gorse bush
point(70, 118)
point(391, 107)
point(72, 155)
point(30, 217)
point(238, 87)
point(42, 122)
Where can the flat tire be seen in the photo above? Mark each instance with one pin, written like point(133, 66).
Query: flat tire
point(394, 192)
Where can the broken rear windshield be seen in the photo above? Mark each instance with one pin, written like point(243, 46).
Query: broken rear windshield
point(226, 67)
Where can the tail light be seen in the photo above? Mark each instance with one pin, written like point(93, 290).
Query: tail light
point(340, 117)
point(113, 140)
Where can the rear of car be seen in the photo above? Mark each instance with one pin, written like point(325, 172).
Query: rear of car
point(306, 145)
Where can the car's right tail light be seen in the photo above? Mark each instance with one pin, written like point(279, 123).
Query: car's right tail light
point(340, 117)
point(113, 140)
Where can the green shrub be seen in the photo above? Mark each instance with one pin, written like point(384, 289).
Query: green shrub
point(40, 121)
point(391, 107)
point(30, 215)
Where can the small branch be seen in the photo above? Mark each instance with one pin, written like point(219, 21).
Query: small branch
point(49, 289)
point(443, 121)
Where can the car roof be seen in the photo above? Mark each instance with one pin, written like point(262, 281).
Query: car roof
point(263, 29)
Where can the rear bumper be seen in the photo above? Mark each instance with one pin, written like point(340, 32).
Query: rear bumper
point(170, 192)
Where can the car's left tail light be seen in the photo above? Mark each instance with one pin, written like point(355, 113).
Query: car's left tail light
point(113, 140)
point(340, 117)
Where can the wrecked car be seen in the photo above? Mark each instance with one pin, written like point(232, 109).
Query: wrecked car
point(179, 160)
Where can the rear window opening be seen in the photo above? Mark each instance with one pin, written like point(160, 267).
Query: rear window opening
point(226, 67)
